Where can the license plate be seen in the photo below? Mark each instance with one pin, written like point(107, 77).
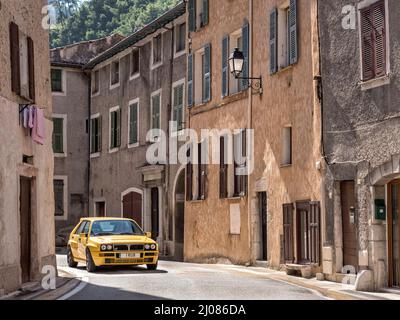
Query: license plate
point(129, 255)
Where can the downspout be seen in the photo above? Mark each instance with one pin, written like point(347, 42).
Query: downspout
point(89, 125)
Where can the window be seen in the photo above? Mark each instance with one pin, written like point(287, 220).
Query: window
point(223, 168)
point(115, 128)
point(59, 135)
point(81, 227)
point(178, 111)
point(283, 36)
point(157, 49)
point(287, 146)
point(95, 82)
point(114, 74)
point(135, 60)
point(60, 184)
point(240, 164)
point(373, 41)
point(180, 37)
point(200, 69)
point(198, 14)
point(56, 80)
point(22, 63)
point(156, 111)
point(134, 123)
point(95, 137)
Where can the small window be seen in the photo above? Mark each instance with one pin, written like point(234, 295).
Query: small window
point(115, 128)
point(95, 82)
point(134, 123)
point(59, 198)
point(157, 49)
point(80, 228)
point(95, 137)
point(135, 62)
point(178, 108)
point(114, 73)
point(156, 111)
point(56, 80)
point(287, 147)
point(180, 38)
point(58, 135)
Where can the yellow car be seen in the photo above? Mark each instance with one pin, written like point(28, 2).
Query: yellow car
point(111, 242)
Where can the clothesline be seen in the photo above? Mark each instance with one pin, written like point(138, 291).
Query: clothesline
point(33, 119)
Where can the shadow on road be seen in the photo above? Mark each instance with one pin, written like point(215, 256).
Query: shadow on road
point(114, 270)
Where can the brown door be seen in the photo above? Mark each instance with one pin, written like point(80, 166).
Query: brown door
point(394, 233)
point(132, 207)
point(262, 198)
point(25, 228)
point(348, 202)
point(154, 213)
point(303, 232)
point(100, 209)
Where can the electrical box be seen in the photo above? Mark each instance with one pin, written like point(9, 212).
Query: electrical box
point(380, 209)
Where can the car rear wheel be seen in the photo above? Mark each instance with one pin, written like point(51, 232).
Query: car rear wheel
point(90, 266)
point(70, 259)
point(152, 266)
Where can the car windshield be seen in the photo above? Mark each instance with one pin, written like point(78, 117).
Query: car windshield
point(115, 227)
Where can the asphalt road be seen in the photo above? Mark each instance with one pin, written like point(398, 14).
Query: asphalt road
point(182, 281)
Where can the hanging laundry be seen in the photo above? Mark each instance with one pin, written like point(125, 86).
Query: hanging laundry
point(31, 111)
point(38, 130)
point(25, 116)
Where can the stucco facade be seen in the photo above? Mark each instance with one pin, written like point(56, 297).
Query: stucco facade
point(23, 160)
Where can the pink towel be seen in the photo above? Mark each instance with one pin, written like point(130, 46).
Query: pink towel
point(38, 131)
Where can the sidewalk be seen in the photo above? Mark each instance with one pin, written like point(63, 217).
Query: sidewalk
point(65, 283)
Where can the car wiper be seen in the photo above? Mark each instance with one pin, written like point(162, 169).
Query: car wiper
point(104, 234)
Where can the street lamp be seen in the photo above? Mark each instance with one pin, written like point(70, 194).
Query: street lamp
point(236, 64)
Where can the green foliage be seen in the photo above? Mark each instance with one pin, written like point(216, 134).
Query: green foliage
point(94, 19)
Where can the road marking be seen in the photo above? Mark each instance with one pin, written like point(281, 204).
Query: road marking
point(82, 285)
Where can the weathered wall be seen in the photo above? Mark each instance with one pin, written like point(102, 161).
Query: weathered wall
point(15, 143)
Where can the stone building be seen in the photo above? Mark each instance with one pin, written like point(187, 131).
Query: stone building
point(272, 214)
point(138, 85)
point(360, 81)
point(71, 92)
point(26, 167)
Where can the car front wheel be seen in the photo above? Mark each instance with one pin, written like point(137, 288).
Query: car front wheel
point(152, 266)
point(90, 266)
point(70, 259)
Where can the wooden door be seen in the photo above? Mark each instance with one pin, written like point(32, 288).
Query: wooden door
point(25, 228)
point(288, 243)
point(303, 243)
point(100, 209)
point(263, 217)
point(132, 207)
point(349, 227)
point(394, 233)
point(155, 215)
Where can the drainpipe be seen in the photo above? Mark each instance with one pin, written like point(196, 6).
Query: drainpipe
point(89, 78)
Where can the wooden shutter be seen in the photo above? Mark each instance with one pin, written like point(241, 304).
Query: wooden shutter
point(315, 232)
point(192, 15)
point(113, 117)
point(118, 128)
point(244, 84)
point(205, 14)
point(379, 18)
point(58, 135)
point(243, 178)
point(31, 64)
point(190, 81)
point(225, 66)
point(223, 169)
point(59, 197)
point(367, 45)
point(202, 173)
point(99, 134)
point(273, 38)
point(288, 251)
point(179, 107)
point(133, 124)
point(293, 43)
point(207, 74)
point(15, 59)
point(189, 177)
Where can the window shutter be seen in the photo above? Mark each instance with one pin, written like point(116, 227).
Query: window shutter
point(112, 144)
point(379, 20)
point(315, 232)
point(202, 173)
point(205, 15)
point(243, 185)
point(99, 134)
point(207, 74)
point(223, 190)
point(244, 84)
point(118, 125)
point(190, 80)
point(293, 43)
point(31, 63)
point(192, 15)
point(367, 45)
point(15, 58)
point(58, 135)
point(288, 233)
point(225, 66)
point(133, 124)
point(92, 135)
point(179, 107)
point(189, 177)
point(273, 37)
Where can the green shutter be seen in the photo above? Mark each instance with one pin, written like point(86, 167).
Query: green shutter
point(244, 84)
point(205, 14)
point(293, 45)
point(190, 80)
point(99, 134)
point(112, 130)
point(118, 128)
point(192, 15)
point(156, 112)
point(58, 134)
point(225, 66)
point(273, 38)
point(207, 73)
point(133, 134)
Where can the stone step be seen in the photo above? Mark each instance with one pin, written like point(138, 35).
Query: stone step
point(261, 264)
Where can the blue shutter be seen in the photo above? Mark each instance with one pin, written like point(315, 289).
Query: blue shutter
point(293, 45)
point(273, 37)
point(204, 20)
point(244, 84)
point(207, 74)
point(190, 80)
point(192, 15)
point(225, 66)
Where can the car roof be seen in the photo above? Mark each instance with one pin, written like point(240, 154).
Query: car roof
point(104, 219)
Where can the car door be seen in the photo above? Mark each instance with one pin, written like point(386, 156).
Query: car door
point(75, 239)
point(82, 242)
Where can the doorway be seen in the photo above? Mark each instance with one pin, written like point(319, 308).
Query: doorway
point(100, 208)
point(155, 213)
point(262, 202)
point(25, 199)
point(180, 216)
point(132, 207)
point(394, 233)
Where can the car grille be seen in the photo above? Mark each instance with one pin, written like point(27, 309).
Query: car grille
point(137, 247)
point(121, 247)
point(124, 261)
point(127, 247)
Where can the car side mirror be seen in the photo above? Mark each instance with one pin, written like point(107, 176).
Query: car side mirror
point(148, 234)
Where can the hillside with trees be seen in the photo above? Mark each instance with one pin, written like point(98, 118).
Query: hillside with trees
point(79, 20)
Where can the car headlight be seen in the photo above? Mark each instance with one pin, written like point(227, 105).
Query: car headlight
point(109, 247)
point(147, 247)
point(103, 247)
point(153, 247)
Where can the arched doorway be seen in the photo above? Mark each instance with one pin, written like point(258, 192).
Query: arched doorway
point(132, 205)
point(179, 215)
point(393, 232)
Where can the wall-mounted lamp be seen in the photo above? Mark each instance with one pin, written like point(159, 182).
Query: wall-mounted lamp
point(236, 64)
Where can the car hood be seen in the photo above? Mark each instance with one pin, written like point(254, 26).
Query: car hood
point(122, 239)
